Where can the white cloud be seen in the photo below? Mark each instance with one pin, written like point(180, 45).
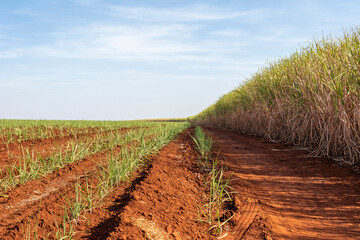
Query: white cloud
point(8, 38)
point(283, 40)
point(14, 53)
point(168, 34)
point(140, 42)
point(185, 14)
point(231, 33)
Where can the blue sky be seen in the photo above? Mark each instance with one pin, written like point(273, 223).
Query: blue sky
point(122, 60)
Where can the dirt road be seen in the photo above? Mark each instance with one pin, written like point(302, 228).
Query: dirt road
point(285, 194)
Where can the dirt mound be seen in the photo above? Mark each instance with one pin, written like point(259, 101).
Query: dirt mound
point(166, 203)
point(162, 201)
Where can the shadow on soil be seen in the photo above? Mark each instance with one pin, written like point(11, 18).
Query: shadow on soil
point(105, 228)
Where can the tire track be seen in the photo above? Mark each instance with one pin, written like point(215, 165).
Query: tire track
point(247, 209)
point(290, 195)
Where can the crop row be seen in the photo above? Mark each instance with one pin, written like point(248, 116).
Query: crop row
point(218, 187)
point(89, 192)
point(20, 130)
point(311, 98)
point(32, 165)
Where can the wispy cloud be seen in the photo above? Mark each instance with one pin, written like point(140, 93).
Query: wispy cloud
point(283, 40)
point(186, 14)
point(144, 42)
point(13, 53)
point(88, 57)
point(120, 42)
point(162, 34)
point(8, 38)
point(231, 33)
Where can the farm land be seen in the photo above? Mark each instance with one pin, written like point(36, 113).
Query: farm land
point(166, 180)
point(266, 145)
point(276, 158)
point(54, 175)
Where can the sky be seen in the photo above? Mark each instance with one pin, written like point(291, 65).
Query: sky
point(126, 60)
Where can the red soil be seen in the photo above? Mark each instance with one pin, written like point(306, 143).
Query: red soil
point(9, 153)
point(285, 194)
point(164, 199)
point(55, 133)
point(281, 194)
point(43, 198)
point(166, 203)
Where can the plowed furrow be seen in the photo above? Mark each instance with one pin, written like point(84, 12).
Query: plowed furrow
point(23, 201)
point(9, 154)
